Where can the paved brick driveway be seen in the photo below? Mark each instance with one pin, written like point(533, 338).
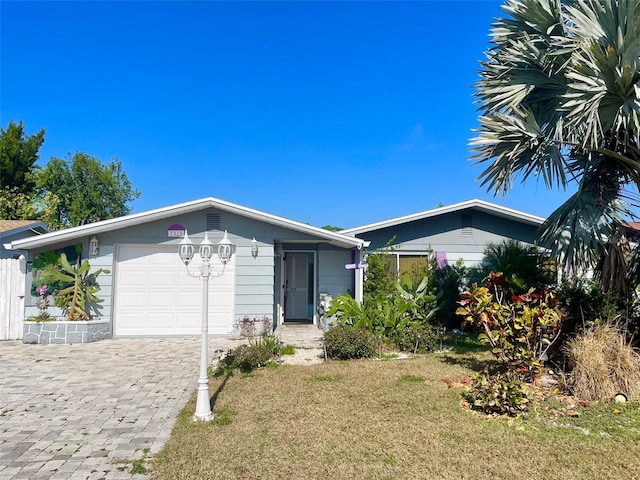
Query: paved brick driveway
point(74, 411)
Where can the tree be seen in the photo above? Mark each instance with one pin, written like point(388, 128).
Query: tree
point(80, 189)
point(18, 157)
point(559, 98)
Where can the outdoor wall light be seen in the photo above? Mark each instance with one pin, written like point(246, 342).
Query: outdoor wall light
point(254, 247)
point(94, 246)
point(186, 251)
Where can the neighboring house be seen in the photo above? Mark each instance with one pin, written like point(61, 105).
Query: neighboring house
point(11, 230)
point(12, 274)
point(460, 231)
point(149, 293)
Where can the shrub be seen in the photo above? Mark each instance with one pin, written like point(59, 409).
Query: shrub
point(246, 358)
point(500, 393)
point(520, 328)
point(415, 337)
point(345, 342)
point(268, 343)
point(603, 364)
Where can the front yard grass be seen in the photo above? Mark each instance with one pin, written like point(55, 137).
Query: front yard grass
point(394, 419)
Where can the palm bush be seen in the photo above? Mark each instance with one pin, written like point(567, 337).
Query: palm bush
point(523, 266)
point(559, 100)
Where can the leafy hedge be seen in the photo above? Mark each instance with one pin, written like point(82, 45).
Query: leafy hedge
point(345, 342)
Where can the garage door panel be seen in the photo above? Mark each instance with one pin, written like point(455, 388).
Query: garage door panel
point(162, 322)
point(134, 278)
point(163, 278)
point(154, 295)
point(135, 320)
point(126, 300)
point(186, 299)
point(162, 298)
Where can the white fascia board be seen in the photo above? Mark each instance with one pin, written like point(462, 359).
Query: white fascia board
point(180, 209)
point(478, 204)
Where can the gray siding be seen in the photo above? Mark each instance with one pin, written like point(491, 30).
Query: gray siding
point(445, 233)
point(333, 277)
point(257, 280)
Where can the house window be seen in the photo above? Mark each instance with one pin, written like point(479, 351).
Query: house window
point(416, 266)
point(213, 221)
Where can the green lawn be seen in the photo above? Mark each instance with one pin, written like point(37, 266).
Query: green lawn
point(395, 419)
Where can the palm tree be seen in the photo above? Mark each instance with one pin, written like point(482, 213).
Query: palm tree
point(524, 266)
point(559, 96)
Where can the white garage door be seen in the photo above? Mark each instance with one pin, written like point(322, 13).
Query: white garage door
point(155, 296)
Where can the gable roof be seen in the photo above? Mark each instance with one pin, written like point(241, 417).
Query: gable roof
point(16, 226)
point(73, 233)
point(474, 204)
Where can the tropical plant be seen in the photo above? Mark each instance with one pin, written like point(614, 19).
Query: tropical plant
point(559, 99)
point(407, 305)
point(350, 312)
point(42, 302)
point(451, 279)
point(269, 343)
point(419, 304)
point(79, 298)
point(523, 266)
point(500, 393)
point(520, 328)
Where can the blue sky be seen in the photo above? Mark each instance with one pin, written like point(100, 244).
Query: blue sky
point(341, 113)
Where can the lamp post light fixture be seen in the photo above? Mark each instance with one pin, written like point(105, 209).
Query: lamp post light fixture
point(254, 247)
point(186, 250)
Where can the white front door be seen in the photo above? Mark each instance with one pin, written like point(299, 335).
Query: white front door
point(299, 302)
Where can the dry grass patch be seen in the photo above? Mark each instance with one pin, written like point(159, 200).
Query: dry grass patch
point(604, 365)
point(375, 420)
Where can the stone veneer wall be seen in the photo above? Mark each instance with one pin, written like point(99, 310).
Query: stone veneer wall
point(66, 331)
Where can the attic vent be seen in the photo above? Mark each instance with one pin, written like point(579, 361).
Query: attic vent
point(213, 221)
point(466, 225)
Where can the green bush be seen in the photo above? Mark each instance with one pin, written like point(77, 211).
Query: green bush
point(268, 343)
point(415, 337)
point(501, 393)
point(246, 358)
point(345, 342)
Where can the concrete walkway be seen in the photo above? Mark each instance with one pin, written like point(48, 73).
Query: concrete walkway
point(88, 411)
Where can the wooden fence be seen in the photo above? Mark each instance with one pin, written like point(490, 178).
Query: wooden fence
point(12, 292)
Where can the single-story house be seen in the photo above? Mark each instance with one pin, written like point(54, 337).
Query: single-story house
point(453, 232)
point(148, 291)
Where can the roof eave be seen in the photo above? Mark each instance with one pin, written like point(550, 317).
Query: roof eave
point(180, 209)
point(479, 204)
